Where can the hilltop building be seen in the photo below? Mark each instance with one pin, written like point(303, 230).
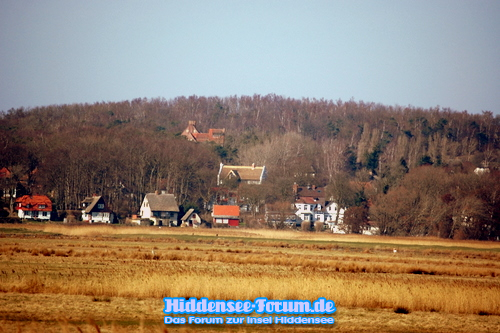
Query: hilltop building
point(213, 135)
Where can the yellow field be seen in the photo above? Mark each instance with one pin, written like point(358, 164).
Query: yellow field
point(113, 278)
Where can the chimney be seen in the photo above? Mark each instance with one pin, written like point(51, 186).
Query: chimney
point(253, 166)
point(295, 188)
point(156, 192)
point(192, 122)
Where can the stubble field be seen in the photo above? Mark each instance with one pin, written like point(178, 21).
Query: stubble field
point(98, 278)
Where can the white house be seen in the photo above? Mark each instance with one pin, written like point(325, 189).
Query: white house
point(307, 209)
point(95, 210)
point(335, 217)
point(162, 209)
point(38, 207)
point(317, 210)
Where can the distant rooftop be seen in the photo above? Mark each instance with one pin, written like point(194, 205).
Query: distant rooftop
point(246, 174)
point(214, 134)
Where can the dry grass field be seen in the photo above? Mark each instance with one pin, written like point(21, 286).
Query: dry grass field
point(99, 278)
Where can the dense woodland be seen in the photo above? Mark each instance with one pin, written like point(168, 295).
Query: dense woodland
point(407, 169)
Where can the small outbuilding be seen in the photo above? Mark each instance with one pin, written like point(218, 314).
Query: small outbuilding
point(191, 219)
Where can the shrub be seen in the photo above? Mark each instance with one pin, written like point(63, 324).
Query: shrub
point(306, 226)
point(47, 252)
point(101, 299)
point(402, 310)
point(147, 222)
point(10, 220)
point(319, 226)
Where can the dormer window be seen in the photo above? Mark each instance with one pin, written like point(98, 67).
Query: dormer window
point(41, 206)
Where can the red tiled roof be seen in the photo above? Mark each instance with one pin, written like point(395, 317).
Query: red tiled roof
point(226, 211)
point(306, 200)
point(33, 202)
point(5, 173)
point(214, 134)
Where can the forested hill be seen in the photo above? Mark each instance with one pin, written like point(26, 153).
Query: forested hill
point(123, 150)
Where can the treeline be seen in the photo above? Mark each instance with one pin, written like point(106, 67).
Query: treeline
point(125, 149)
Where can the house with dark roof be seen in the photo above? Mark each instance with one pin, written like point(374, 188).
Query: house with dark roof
point(191, 219)
point(95, 210)
point(214, 134)
point(36, 207)
point(161, 208)
point(241, 174)
point(226, 215)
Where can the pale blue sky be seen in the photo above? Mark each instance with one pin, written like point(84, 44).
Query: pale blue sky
point(420, 53)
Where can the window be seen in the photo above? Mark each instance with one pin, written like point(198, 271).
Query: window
point(100, 206)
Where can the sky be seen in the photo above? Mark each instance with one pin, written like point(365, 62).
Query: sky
point(422, 53)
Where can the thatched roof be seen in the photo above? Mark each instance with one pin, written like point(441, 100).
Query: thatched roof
point(162, 202)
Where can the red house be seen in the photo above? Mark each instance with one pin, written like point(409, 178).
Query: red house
point(226, 215)
point(214, 134)
point(34, 207)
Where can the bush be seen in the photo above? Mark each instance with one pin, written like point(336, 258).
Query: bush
point(402, 310)
point(306, 226)
point(10, 220)
point(4, 213)
point(147, 222)
point(319, 226)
